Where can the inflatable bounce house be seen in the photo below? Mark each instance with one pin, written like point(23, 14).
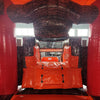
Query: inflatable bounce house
point(50, 75)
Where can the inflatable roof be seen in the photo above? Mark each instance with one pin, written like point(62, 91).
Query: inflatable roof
point(52, 18)
point(81, 2)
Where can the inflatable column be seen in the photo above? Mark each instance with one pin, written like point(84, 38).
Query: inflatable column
point(93, 69)
point(8, 55)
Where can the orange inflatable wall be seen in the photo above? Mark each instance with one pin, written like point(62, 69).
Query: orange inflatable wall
point(45, 74)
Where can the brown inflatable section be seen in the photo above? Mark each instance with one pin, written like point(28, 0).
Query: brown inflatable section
point(1, 7)
point(52, 18)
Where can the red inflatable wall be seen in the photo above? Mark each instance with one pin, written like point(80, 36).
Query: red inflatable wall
point(93, 70)
point(8, 56)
